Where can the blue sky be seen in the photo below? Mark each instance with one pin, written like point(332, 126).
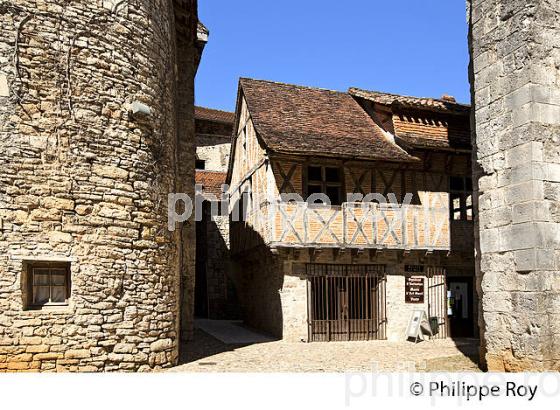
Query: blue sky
point(412, 47)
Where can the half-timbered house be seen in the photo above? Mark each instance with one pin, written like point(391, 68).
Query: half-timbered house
point(397, 235)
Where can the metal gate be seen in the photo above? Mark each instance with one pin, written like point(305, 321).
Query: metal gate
point(346, 302)
point(437, 300)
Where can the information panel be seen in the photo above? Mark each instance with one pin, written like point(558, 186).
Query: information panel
point(414, 289)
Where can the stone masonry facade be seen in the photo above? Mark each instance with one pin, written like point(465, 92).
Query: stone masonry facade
point(214, 151)
point(84, 180)
point(213, 144)
point(213, 137)
point(97, 127)
point(274, 288)
point(213, 232)
point(515, 50)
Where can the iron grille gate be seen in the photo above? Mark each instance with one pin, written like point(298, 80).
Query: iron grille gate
point(437, 300)
point(346, 302)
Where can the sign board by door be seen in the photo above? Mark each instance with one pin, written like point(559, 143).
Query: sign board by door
point(414, 289)
point(418, 325)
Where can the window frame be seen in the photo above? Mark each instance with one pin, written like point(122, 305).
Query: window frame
point(244, 144)
point(463, 194)
point(32, 287)
point(323, 183)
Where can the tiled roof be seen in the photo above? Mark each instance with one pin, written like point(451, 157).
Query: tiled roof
point(209, 114)
point(433, 104)
point(211, 181)
point(310, 121)
point(424, 122)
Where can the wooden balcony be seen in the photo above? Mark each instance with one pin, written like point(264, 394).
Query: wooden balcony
point(364, 226)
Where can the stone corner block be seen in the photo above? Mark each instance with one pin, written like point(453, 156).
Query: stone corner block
point(527, 260)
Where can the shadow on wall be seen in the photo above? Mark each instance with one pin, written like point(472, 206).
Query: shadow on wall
point(258, 278)
point(254, 279)
point(215, 292)
point(462, 236)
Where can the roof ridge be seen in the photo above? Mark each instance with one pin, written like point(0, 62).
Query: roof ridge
point(386, 93)
point(306, 87)
point(314, 121)
point(358, 89)
point(213, 109)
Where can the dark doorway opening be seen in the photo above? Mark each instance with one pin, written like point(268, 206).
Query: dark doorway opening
point(460, 306)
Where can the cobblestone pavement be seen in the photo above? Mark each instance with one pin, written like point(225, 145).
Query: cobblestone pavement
point(207, 354)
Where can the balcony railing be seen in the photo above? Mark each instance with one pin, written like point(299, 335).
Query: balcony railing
point(357, 225)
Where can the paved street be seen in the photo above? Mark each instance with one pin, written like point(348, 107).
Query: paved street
point(208, 354)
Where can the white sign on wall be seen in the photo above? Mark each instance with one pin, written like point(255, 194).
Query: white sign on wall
point(418, 325)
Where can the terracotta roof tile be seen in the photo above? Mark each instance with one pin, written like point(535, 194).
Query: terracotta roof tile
point(301, 120)
point(209, 114)
point(424, 122)
point(211, 181)
point(425, 103)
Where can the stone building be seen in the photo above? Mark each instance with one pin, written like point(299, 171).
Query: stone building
point(96, 128)
point(215, 295)
point(358, 269)
point(515, 60)
point(213, 138)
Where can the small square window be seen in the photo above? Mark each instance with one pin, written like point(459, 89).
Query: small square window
point(48, 284)
point(200, 164)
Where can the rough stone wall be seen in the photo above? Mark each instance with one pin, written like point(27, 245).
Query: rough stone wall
point(221, 294)
point(215, 150)
point(258, 279)
point(82, 181)
point(188, 57)
point(515, 53)
point(213, 145)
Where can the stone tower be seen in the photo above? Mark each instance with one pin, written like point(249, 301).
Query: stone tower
point(96, 128)
point(515, 79)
